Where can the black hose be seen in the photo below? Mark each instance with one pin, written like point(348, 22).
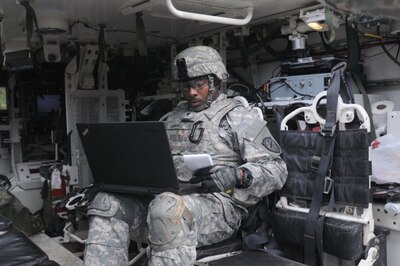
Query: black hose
point(389, 54)
point(386, 50)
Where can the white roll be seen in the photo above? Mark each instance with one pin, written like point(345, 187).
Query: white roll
point(380, 110)
point(382, 107)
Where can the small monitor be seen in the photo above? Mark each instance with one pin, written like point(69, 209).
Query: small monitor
point(3, 99)
point(48, 103)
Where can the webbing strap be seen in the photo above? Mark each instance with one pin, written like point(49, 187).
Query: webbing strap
point(316, 200)
point(102, 43)
point(328, 131)
point(30, 18)
point(320, 228)
point(141, 35)
point(367, 104)
point(331, 101)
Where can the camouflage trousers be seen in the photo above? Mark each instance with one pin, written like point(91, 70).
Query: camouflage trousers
point(215, 218)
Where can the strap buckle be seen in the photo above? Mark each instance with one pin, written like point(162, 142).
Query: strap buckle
point(328, 183)
point(315, 160)
point(328, 131)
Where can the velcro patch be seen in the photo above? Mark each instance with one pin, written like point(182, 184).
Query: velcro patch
point(271, 145)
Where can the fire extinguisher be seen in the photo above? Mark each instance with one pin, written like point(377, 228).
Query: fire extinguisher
point(58, 185)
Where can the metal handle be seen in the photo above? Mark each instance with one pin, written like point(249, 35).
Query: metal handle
point(210, 18)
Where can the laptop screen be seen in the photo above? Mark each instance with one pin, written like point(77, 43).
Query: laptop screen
point(129, 157)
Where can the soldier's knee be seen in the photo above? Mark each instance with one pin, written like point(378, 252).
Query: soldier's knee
point(104, 205)
point(169, 221)
point(106, 226)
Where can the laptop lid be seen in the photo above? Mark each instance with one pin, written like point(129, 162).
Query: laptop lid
point(129, 157)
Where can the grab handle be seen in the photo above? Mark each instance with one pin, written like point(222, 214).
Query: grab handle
point(210, 18)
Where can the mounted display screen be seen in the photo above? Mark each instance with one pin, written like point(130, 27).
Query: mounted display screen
point(48, 103)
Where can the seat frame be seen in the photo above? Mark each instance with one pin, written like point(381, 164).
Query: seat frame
point(345, 114)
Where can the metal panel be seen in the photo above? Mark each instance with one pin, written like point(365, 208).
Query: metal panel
point(294, 87)
point(90, 106)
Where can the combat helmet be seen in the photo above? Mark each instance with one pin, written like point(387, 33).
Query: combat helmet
point(200, 61)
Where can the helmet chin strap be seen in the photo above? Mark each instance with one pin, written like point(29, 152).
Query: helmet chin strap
point(210, 97)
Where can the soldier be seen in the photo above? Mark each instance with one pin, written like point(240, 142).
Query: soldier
point(246, 168)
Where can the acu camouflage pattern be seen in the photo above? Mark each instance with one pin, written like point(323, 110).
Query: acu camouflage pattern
point(201, 61)
point(214, 220)
point(110, 230)
point(230, 136)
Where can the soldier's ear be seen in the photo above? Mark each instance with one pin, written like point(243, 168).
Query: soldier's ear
point(217, 82)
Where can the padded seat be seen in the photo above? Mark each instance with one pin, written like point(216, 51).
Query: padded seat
point(5, 224)
point(17, 249)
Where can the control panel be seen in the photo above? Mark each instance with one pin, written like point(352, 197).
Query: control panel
point(305, 87)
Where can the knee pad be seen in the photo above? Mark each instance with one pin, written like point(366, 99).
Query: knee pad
point(104, 205)
point(169, 221)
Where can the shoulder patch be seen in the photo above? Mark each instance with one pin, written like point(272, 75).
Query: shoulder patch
point(271, 145)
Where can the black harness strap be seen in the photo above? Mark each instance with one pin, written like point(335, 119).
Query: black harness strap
point(327, 141)
point(102, 43)
point(30, 19)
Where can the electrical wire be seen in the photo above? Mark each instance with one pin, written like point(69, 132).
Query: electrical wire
point(264, 108)
point(161, 37)
point(385, 49)
point(299, 93)
point(380, 38)
point(380, 53)
point(120, 30)
point(328, 20)
point(390, 55)
point(239, 85)
point(273, 70)
point(83, 23)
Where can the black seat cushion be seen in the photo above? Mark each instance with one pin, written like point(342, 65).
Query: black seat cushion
point(17, 249)
point(5, 223)
point(340, 238)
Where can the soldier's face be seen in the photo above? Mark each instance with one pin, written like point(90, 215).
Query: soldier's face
point(196, 92)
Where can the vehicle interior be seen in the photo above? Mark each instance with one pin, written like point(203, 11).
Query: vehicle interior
point(325, 75)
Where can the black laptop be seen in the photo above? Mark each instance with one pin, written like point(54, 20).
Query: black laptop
point(132, 158)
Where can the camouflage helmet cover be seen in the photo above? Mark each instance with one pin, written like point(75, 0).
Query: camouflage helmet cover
point(199, 61)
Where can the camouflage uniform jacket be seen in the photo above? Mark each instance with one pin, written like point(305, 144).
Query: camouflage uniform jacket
point(233, 135)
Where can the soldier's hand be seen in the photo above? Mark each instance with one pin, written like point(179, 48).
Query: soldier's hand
point(217, 178)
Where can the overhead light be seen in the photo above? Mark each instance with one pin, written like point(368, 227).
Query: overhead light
point(315, 26)
point(320, 18)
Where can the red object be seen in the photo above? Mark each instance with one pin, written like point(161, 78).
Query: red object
point(316, 129)
point(60, 191)
point(375, 144)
